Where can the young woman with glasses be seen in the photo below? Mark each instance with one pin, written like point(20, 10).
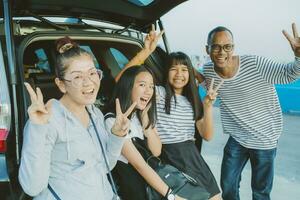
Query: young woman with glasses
point(61, 155)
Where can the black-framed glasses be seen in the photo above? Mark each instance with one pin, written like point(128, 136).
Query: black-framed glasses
point(217, 47)
point(93, 75)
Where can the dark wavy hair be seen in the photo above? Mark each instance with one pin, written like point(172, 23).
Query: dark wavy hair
point(190, 91)
point(123, 90)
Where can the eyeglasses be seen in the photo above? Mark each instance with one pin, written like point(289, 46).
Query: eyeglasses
point(217, 48)
point(93, 75)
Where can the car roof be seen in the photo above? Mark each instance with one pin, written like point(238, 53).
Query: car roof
point(122, 12)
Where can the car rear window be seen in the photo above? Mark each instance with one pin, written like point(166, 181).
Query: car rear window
point(120, 57)
point(36, 61)
point(88, 49)
point(141, 2)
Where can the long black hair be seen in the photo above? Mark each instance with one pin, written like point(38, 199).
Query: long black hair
point(190, 90)
point(123, 90)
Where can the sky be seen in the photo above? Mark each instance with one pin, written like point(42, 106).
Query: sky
point(257, 25)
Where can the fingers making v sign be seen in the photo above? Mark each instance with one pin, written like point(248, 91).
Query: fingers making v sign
point(122, 123)
point(293, 40)
point(212, 93)
point(152, 38)
point(38, 112)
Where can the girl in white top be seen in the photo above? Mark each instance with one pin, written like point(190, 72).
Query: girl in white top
point(137, 85)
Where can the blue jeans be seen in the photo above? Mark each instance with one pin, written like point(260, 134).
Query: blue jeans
point(234, 160)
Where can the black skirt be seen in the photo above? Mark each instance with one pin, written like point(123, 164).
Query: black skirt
point(186, 157)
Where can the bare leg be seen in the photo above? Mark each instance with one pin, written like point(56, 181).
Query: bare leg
point(216, 197)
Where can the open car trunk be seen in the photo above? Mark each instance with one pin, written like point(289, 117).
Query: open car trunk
point(122, 12)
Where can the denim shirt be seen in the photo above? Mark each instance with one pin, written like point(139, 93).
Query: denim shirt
point(68, 156)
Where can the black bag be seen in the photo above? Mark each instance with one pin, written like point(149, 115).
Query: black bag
point(181, 184)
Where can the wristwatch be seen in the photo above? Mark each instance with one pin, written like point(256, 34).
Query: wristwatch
point(169, 195)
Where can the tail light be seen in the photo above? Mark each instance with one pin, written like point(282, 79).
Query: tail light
point(3, 136)
point(5, 109)
point(4, 126)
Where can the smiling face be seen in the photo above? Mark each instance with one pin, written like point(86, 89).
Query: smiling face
point(142, 90)
point(178, 77)
point(81, 81)
point(219, 56)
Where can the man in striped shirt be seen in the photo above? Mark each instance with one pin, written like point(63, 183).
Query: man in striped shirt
point(250, 110)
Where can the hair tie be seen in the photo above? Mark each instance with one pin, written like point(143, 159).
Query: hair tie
point(65, 47)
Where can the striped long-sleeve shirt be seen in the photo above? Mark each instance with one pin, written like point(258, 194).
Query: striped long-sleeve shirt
point(249, 105)
point(179, 125)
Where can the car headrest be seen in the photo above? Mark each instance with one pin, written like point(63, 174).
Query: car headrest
point(42, 77)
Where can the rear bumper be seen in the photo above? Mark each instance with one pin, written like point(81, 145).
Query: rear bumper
point(3, 169)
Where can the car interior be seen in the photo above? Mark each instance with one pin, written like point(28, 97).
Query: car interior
point(110, 55)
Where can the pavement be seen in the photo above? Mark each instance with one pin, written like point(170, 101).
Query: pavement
point(286, 183)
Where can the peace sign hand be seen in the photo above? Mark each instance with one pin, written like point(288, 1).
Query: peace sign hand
point(212, 93)
point(122, 123)
point(38, 112)
point(151, 39)
point(294, 41)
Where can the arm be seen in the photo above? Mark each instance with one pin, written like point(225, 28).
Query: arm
point(139, 59)
point(136, 160)
point(114, 144)
point(278, 73)
point(205, 124)
point(150, 132)
point(118, 127)
point(274, 72)
point(150, 44)
point(39, 139)
point(113, 149)
point(36, 157)
point(199, 77)
point(153, 141)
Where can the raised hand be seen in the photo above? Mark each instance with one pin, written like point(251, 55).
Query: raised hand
point(294, 41)
point(151, 39)
point(38, 112)
point(122, 123)
point(212, 93)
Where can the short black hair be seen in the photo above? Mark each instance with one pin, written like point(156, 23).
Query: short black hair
point(216, 30)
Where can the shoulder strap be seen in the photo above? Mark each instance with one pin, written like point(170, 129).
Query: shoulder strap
point(109, 115)
point(141, 146)
point(114, 189)
point(53, 192)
